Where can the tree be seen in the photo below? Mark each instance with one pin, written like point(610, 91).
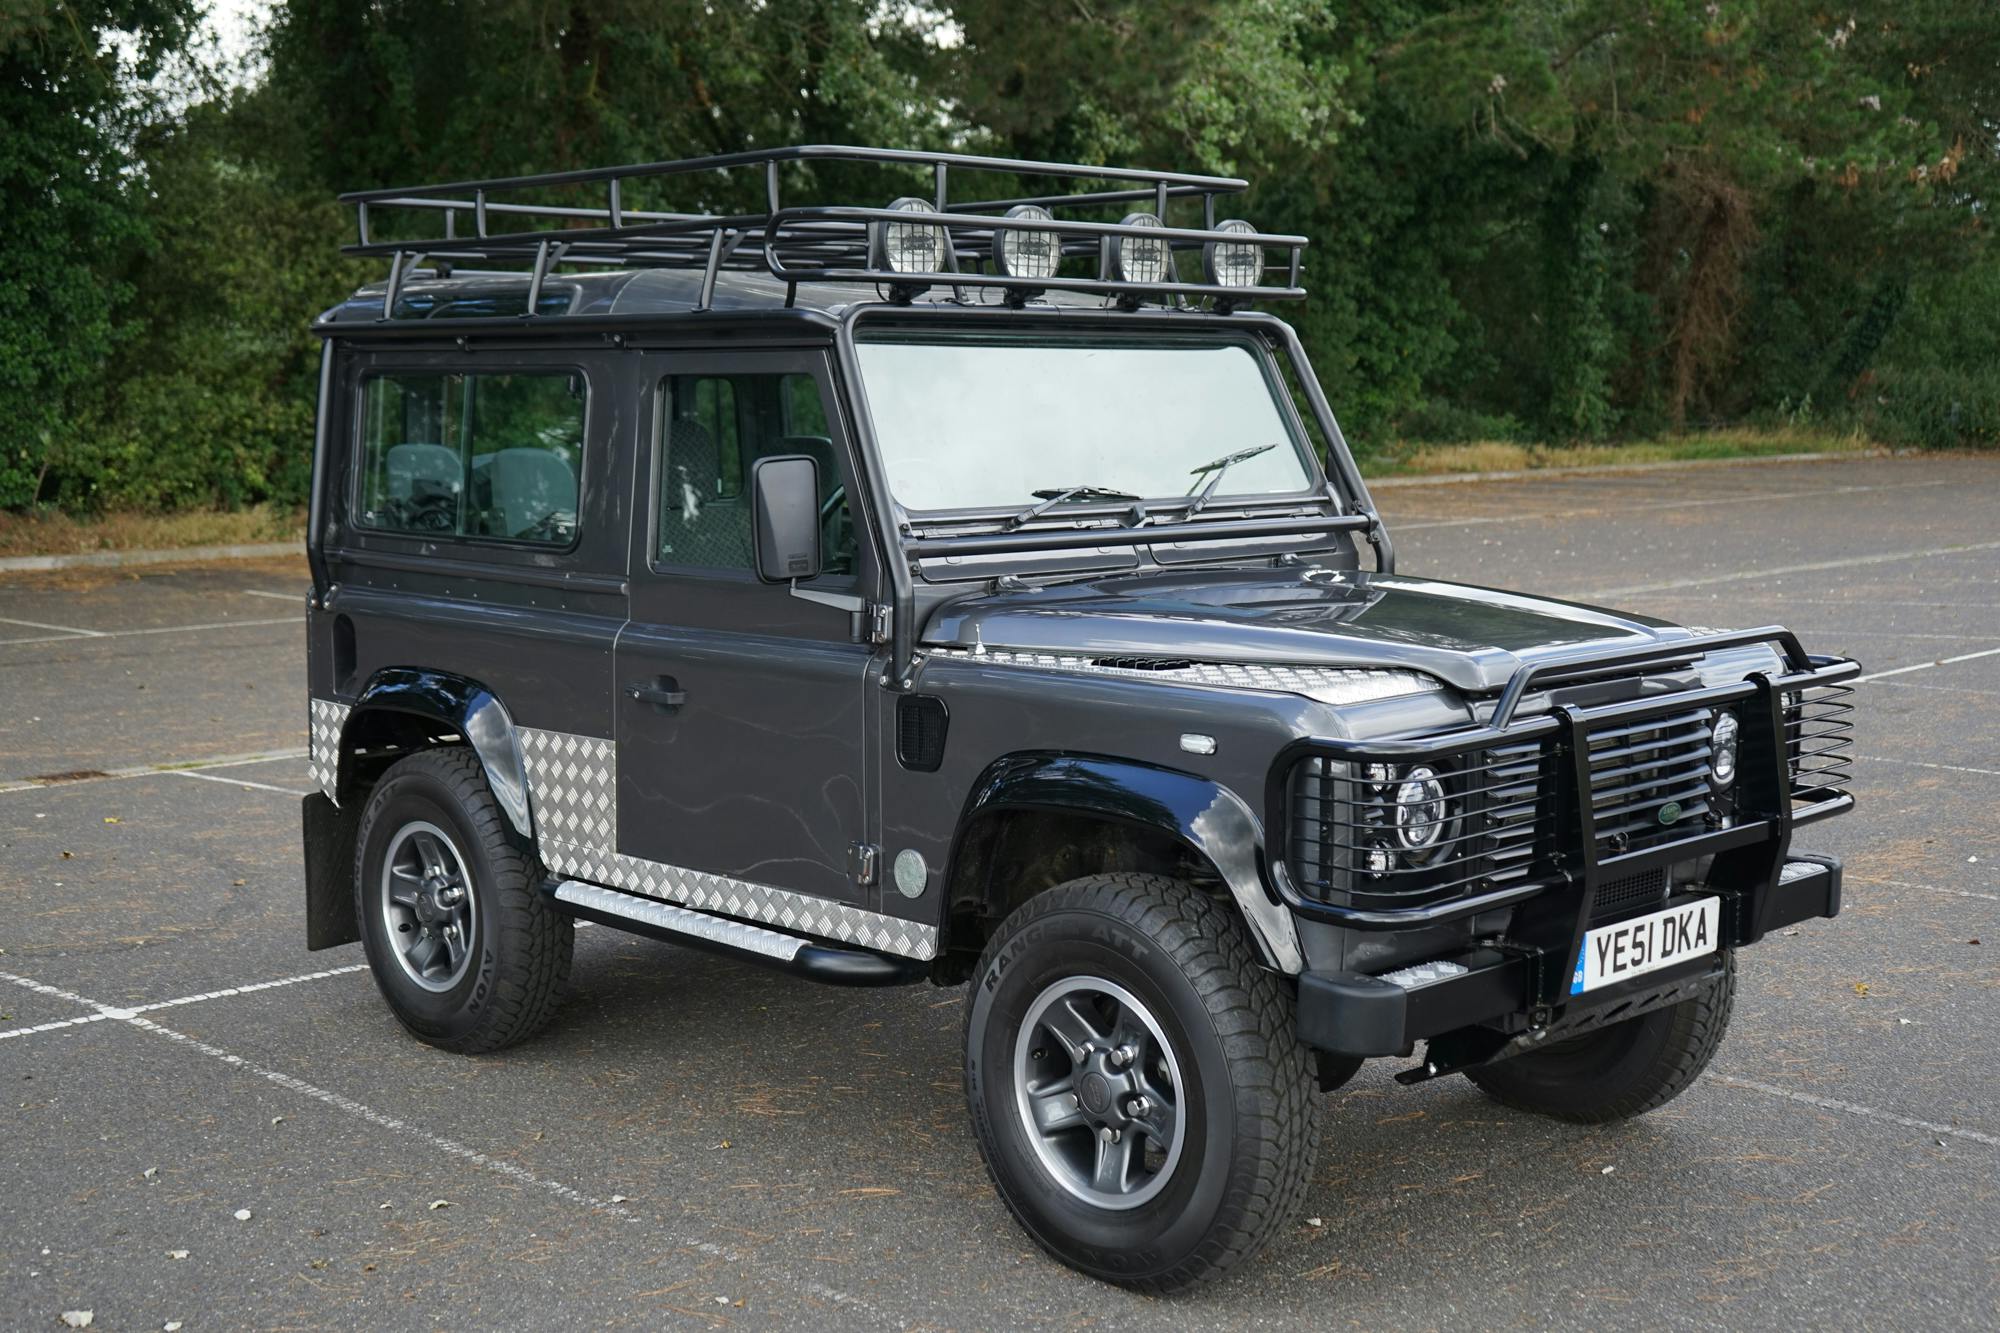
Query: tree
point(68, 210)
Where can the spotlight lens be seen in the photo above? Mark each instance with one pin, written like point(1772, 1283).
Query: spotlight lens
point(1139, 259)
point(1234, 264)
point(1028, 254)
point(911, 247)
point(1420, 809)
point(1723, 741)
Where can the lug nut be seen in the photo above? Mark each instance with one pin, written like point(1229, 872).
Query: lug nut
point(1108, 1134)
point(1123, 1056)
point(1138, 1106)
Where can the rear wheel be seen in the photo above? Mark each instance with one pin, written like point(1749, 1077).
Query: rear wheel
point(1622, 1071)
point(1138, 1092)
point(465, 947)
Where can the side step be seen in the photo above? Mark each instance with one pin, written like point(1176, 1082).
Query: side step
point(834, 964)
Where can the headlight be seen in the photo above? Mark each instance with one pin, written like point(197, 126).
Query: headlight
point(910, 247)
point(1411, 810)
point(1139, 259)
point(1027, 254)
point(1421, 810)
point(1230, 263)
point(1722, 763)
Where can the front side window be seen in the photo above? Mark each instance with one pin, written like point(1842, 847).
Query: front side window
point(455, 455)
point(970, 422)
point(715, 427)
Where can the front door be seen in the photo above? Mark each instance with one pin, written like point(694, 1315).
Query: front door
point(743, 711)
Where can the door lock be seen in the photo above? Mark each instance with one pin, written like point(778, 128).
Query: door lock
point(664, 693)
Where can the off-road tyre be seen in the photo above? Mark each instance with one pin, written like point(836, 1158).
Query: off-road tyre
point(1251, 1134)
point(1621, 1071)
point(521, 945)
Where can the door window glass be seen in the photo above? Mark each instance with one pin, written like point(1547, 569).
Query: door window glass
point(714, 428)
point(453, 455)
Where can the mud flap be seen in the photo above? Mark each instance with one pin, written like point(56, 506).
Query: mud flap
point(329, 839)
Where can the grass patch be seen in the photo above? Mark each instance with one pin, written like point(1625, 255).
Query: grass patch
point(51, 533)
point(1416, 458)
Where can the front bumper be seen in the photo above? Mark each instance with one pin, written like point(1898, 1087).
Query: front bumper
point(1506, 993)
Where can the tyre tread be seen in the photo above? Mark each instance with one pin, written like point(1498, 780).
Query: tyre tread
point(1252, 1015)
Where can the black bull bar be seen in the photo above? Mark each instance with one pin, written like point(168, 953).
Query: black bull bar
point(1515, 991)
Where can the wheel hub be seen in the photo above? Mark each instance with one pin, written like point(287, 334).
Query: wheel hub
point(1097, 1086)
point(427, 905)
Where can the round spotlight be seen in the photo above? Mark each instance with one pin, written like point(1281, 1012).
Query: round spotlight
point(1233, 263)
point(1139, 259)
point(1421, 810)
point(1722, 763)
point(1027, 253)
point(910, 247)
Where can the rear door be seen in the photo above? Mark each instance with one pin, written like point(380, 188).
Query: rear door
point(742, 713)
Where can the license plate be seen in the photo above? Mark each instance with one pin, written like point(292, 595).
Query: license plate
point(1646, 944)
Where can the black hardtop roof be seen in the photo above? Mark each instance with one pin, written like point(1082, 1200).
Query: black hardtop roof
point(520, 246)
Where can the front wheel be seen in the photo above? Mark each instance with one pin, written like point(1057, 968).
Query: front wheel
point(1139, 1095)
point(1620, 1071)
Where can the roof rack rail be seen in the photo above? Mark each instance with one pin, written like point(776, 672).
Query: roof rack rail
point(834, 243)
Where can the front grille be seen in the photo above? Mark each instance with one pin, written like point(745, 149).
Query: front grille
point(1819, 741)
point(1630, 894)
point(1343, 820)
point(1649, 780)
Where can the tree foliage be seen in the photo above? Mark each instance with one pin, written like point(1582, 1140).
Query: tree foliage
point(1573, 219)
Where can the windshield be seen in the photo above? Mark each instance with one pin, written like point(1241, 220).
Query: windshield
point(972, 422)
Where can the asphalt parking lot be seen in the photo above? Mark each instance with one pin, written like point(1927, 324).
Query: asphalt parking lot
point(698, 1142)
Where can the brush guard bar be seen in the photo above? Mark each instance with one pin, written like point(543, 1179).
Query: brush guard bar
point(1785, 779)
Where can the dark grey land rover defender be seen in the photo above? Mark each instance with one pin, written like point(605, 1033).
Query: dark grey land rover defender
point(972, 589)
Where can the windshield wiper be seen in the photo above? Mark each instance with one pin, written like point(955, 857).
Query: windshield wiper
point(1219, 466)
point(1058, 495)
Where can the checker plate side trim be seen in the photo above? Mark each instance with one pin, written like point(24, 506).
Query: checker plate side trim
point(573, 786)
point(325, 719)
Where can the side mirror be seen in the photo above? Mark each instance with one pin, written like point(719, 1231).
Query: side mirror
point(785, 515)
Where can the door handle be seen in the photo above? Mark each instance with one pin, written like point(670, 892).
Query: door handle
point(664, 693)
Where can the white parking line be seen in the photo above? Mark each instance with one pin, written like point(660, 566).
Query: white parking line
point(1672, 504)
point(249, 989)
point(68, 634)
point(51, 1027)
point(1918, 763)
point(189, 766)
point(1852, 1108)
point(293, 597)
point(1926, 666)
point(66, 630)
point(1810, 567)
point(110, 1011)
point(236, 782)
point(451, 1147)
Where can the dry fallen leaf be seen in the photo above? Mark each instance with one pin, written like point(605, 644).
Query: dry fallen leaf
point(78, 1318)
point(1861, 988)
point(110, 819)
point(243, 1214)
point(177, 1254)
point(440, 1203)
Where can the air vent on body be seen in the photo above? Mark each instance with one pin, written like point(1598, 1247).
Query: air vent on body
point(920, 728)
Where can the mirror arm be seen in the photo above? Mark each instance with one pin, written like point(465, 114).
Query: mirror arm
point(840, 601)
point(868, 620)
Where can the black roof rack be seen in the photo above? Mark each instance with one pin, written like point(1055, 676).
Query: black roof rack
point(814, 243)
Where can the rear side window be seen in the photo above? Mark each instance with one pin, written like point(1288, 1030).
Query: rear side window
point(450, 455)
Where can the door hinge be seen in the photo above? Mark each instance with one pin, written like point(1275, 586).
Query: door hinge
point(861, 858)
point(878, 623)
